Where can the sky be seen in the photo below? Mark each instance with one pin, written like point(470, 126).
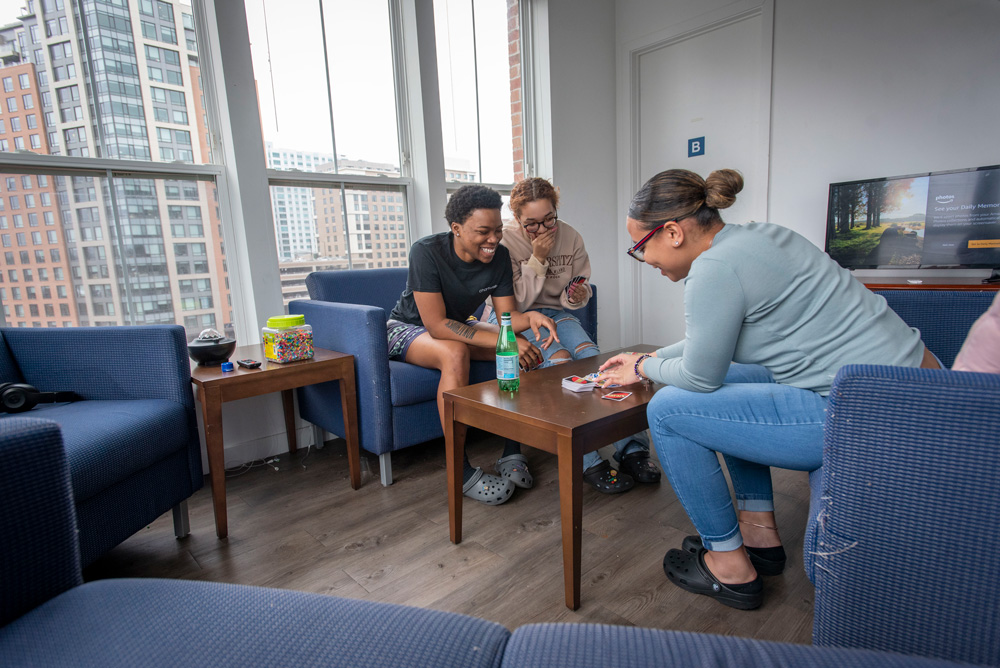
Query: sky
point(287, 52)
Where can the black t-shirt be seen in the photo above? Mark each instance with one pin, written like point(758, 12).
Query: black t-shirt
point(434, 267)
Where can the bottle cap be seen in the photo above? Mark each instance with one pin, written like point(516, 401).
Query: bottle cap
point(227, 366)
point(283, 321)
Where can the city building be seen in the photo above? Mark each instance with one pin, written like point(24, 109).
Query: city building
point(109, 249)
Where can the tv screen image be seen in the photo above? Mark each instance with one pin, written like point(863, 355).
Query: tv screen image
point(940, 219)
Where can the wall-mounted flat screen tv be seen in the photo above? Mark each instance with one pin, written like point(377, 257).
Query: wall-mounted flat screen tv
point(940, 219)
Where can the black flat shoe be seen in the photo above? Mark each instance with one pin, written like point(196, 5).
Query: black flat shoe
point(638, 465)
point(689, 572)
point(764, 565)
point(605, 479)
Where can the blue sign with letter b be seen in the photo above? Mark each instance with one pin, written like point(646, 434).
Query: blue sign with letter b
point(696, 146)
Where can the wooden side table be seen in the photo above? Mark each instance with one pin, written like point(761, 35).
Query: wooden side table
point(545, 416)
point(213, 387)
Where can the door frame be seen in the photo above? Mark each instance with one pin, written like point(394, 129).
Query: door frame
point(629, 142)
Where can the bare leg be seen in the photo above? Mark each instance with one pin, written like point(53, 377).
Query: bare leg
point(731, 567)
point(734, 567)
point(752, 526)
point(451, 358)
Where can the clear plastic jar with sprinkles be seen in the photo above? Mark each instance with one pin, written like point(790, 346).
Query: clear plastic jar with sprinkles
point(287, 338)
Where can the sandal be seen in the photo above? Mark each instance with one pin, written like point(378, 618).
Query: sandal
point(638, 465)
point(689, 572)
point(605, 479)
point(764, 565)
point(488, 489)
point(515, 469)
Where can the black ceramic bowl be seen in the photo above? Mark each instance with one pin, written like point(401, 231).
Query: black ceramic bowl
point(211, 352)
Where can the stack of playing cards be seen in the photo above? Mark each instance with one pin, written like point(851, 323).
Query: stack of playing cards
point(578, 384)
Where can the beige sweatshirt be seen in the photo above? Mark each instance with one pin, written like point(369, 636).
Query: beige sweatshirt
point(538, 285)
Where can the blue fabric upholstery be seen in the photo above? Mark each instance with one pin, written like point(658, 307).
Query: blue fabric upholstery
point(603, 646)
point(39, 552)
point(49, 618)
point(902, 513)
point(397, 404)
point(908, 554)
point(943, 317)
point(179, 623)
point(132, 442)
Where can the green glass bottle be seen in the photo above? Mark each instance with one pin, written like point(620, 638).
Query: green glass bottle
point(508, 367)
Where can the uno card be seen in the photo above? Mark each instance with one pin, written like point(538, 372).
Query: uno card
point(617, 396)
point(602, 383)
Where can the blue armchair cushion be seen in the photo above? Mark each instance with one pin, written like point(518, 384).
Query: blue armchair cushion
point(604, 646)
point(109, 441)
point(944, 317)
point(129, 622)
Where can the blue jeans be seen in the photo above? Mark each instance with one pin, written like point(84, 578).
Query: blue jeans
point(755, 423)
point(575, 341)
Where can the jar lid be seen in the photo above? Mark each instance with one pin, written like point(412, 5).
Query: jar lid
point(282, 321)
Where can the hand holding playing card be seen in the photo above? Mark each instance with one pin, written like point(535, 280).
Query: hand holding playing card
point(576, 290)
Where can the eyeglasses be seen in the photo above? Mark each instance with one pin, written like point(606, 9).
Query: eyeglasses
point(548, 221)
point(636, 250)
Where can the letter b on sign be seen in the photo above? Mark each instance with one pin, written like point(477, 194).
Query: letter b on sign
point(696, 146)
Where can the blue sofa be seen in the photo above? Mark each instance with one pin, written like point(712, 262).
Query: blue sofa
point(397, 402)
point(132, 441)
point(48, 617)
point(902, 543)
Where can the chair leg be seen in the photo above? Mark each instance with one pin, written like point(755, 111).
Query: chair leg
point(319, 437)
point(385, 466)
point(182, 523)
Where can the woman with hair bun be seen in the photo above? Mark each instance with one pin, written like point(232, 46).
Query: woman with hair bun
point(766, 298)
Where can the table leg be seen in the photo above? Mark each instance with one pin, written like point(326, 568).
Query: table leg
point(454, 444)
point(211, 412)
point(571, 516)
point(349, 410)
point(288, 401)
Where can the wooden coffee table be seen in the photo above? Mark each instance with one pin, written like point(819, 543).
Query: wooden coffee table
point(214, 386)
point(545, 416)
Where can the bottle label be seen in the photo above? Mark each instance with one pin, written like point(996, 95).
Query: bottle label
point(507, 368)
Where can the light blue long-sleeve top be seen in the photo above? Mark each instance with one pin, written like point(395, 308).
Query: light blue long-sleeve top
point(763, 294)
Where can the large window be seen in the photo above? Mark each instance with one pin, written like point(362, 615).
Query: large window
point(479, 78)
point(102, 246)
point(330, 83)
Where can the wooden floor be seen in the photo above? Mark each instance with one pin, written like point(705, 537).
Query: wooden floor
point(302, 527)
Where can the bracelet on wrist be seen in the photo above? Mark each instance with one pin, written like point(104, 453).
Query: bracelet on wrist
point(638, 362)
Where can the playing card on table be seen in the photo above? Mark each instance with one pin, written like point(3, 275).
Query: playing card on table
point(602, 383)
point(577, 384)
point(617, 396)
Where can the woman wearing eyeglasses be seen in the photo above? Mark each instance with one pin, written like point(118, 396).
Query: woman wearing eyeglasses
point(755, 294)
point(547, 255)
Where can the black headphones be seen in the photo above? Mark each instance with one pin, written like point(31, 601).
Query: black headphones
point(20, 397)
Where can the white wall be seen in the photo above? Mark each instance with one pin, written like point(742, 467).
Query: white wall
point(859, 89)
point(866, 89)
point(863, 88)
point(581, 57)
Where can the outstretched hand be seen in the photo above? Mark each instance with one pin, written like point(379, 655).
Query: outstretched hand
point(536, 321)
point(620, 369)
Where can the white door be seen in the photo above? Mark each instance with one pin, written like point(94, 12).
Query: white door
point(713, 85)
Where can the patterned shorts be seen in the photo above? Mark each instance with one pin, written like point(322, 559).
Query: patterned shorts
point(401, 335)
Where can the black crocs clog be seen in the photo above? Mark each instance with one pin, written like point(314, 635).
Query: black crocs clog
point(762, 564)
point(689, 572)
point(605, 479)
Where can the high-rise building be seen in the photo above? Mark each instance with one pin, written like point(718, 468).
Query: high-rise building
point(108, 79)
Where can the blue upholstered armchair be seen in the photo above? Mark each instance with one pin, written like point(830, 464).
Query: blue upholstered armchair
point(396, 401)
point(132, 441)
point(902, 543)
